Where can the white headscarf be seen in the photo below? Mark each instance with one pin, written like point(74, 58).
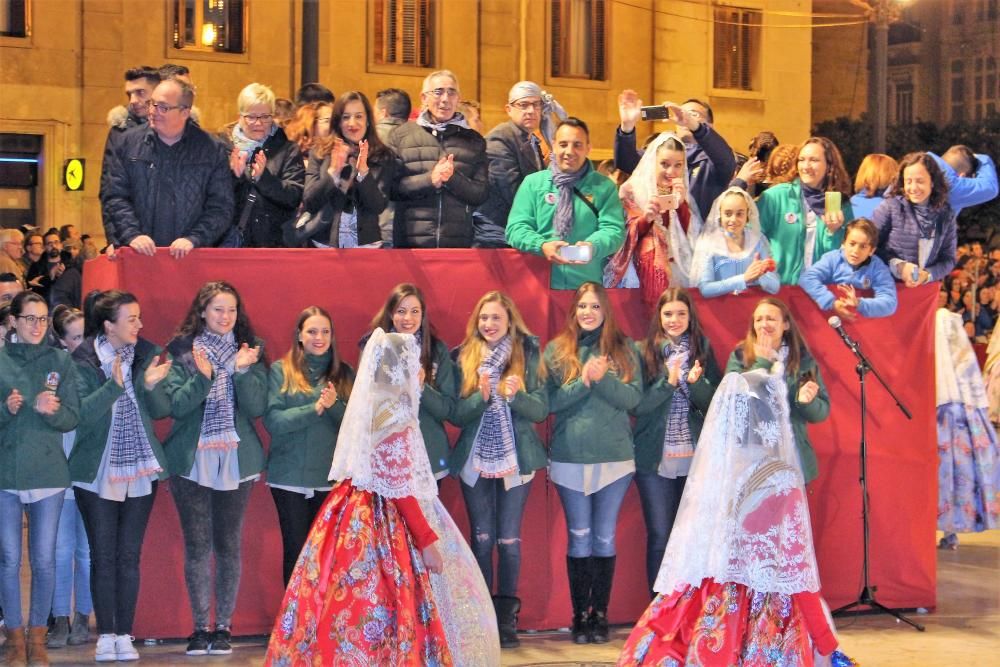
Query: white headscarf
point(379, 447)
point(713, 237)
point(550, 106)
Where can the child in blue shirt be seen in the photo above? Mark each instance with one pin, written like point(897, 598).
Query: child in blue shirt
point(854, 266)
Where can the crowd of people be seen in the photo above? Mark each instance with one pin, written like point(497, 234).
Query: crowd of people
point(355, 455)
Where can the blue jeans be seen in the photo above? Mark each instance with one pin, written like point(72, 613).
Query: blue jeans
point(660, 497)
point(495, 521)
point(592, 520)
point(72, 563)
point(43, 521)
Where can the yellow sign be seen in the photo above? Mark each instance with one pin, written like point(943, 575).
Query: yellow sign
point(73, 172)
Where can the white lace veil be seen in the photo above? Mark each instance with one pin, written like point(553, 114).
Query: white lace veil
point(744, 517)
point(641, 185)
point(379, 446)
point(713, 237)
point(958, 378)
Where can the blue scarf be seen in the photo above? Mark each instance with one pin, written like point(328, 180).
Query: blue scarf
point(494, 453)
point(677, 441)
point(218, 426)
point(131, 455)
point(562, 221)
point(815, 199)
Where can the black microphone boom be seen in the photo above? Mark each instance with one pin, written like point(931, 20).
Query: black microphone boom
point(839, 328)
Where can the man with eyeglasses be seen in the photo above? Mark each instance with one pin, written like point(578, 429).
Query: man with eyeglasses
point(34, 248)
point(514, 149)
point(435, 196)
point(48, 268)
point(11, 250)
point(168, 183)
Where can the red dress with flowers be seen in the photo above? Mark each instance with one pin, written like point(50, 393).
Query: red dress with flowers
point(360, 593)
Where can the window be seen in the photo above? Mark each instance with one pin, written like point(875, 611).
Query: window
point(957, 90)
point(957, 12)
point(210, 25)
point(14, 18)
point(402, 32)
point(737, 49)
point(579, 39)
point(904, 103)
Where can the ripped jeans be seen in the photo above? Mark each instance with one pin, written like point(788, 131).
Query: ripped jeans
point(495, 521)
point(591, 520)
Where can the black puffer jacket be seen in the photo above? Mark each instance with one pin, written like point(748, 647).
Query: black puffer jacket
point(194, 172)
point(429, 217)
point(279, 191)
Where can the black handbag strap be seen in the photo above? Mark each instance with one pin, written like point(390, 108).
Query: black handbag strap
point(590, 204)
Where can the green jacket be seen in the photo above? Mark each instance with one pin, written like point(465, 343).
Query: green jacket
point(98, 394)
point(188, 389)
point(651, 412)
point(529, 406)
point(813, 412)
point(529, 224)
point(302, 442)
point(31, 452)
point(592, 423)
point(437, 400)
point(781, 203)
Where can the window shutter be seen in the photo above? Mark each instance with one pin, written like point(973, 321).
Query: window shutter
point(557, 33)
point(597, 40)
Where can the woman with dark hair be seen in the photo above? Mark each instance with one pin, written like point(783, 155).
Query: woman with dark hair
point(794, 216)
point(217, 387)
point(917, 228)
point(593, 381)
point(405, 311)
point(117, 461)
point(775, 337)
point(347, 180)
point(38, 389)
point(501, 399)
point(679, 376)
point(307, 393)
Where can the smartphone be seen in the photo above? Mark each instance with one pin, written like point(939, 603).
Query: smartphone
point(576, 253)
point(832, 201)
point(659, 112)
point(668, 202)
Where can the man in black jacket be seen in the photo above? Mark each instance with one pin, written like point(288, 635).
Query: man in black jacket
point(168, 184)
point(441, 176)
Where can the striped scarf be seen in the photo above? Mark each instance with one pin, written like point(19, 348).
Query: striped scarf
point(218, 426)
point(493, 452)
point(131, 455)
point(677, 437)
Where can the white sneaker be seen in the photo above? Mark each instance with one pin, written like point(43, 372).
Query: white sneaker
point(106, 649)
point(124, 648)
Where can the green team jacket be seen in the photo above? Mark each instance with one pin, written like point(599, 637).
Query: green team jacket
point(437, 400)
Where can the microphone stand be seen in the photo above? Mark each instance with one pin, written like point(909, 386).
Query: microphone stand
point(867, 596)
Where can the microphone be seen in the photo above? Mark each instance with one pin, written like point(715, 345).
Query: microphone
point(838, 326)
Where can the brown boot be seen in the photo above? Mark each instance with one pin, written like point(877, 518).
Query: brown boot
point(16, 651)
point(37, 655)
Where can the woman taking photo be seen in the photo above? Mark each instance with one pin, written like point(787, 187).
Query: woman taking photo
point(117, 461)
point(347, 180)
point(217, 387)
point(501, 398)
point(38, 388)
point(593, 381)
point(306, 395)
point(679, 376)
point(774, 337)
point(405, 311)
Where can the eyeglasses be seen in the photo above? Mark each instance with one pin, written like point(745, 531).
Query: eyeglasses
point(163, 108)
point(263, 118)
point(524, 106)
point(441, 92)
point(32, 320)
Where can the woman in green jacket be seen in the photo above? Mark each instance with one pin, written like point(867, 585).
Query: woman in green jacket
point(217, 387)
point(679, 376)
point(40, 403)
point(117, 461)
point(774, 337)
point(795, 217)
point(593, 382)
point(501, 398)
point(405, 311)
point(306, 396)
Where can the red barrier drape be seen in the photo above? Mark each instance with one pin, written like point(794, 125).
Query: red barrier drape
point(277, 284)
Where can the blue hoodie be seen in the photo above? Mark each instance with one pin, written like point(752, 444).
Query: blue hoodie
point(834, 269)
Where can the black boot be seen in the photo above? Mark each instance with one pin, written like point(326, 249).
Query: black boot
point(603, 573)
point(579, 592)
point(507, 609)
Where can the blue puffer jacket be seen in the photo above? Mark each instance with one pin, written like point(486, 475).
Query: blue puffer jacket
point(899, 236)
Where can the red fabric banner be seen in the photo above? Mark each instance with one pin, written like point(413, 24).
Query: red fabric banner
point(352, 285)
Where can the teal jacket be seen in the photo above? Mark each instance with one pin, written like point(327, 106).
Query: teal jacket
point(657, 396)
point(31, 452)
point(782, 219)
point(98, 394)
point(302, 441)
point(592, 423)
point(815, 411)
point(529, 224)
point(188, 389)
point(529, 406)
point(437, 400)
